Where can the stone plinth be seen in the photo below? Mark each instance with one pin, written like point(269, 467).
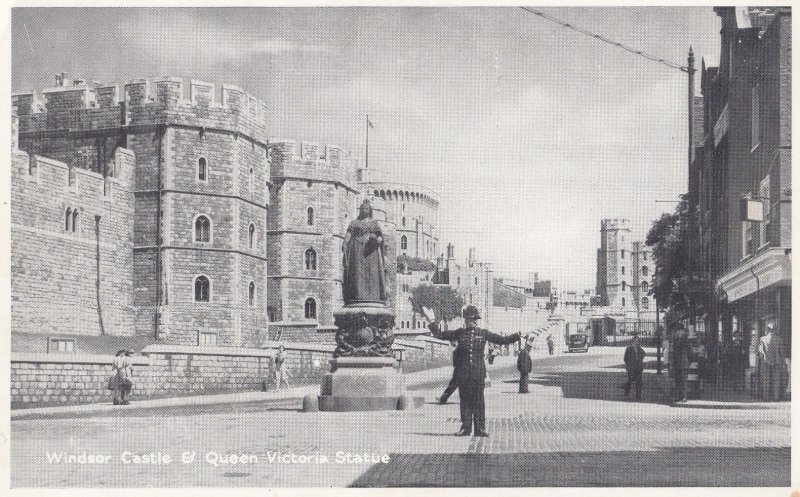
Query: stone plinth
point(364, 384)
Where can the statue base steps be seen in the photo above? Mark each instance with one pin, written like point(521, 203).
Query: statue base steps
point(365, 384)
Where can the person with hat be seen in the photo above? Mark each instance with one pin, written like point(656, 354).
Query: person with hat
point(770, 353)
point(470, 369)
point(634, 366)
point(120, 382)
point(681, 350)
point(525, 365)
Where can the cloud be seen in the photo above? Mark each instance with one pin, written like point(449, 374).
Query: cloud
point(282, 45)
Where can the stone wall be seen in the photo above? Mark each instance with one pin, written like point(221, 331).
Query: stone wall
point(174, 370)
point(56, 262)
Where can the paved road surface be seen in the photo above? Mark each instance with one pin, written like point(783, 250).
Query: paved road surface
point(573, 429)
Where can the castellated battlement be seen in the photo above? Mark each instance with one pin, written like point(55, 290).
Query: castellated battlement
point(59, 178)
point(615, 224)
point(167, 100)
point(312, 161)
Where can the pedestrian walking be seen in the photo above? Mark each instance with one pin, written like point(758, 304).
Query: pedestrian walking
point(524, 366)
point(470, 368)
point(770, 353)
point(634, 366)
point(281, 370)
point(452, 386)
point(120, 382)
point(551, 346)
point(680, 361)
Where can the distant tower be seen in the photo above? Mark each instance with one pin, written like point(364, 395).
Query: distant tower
point(614, 264)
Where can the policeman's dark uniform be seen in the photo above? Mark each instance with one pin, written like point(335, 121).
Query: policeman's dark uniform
point(470, 370)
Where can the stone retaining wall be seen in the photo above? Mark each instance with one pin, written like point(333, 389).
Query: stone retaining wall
point(173, 370)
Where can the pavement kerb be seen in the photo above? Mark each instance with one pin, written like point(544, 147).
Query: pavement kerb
point(412, 379)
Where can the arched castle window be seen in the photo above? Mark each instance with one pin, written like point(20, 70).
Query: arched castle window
point(202, 169)
point(67, 219)
point(404, 221)
point(403, 242)
point(252, 235)
point(623, 302)
point(622, 254)
point(250, 179)
point(311, 259)
point(623, 269)
point(310, 308)
point(202, 229)
point(623, 286)
point(202, 289)
point(251, 294)
point(75, 220)
point(644, 270)
point(645, 303)
point(310, 216)
point(645, 286)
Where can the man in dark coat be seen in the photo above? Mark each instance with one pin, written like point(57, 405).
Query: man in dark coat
point(470, 369)
point(524, 366)
point(634, 365)
point(680, 361)
point(451, 387)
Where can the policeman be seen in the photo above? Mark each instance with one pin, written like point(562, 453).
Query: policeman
point(470, 370)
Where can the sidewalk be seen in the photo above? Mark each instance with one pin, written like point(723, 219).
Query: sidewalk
point(412, 379)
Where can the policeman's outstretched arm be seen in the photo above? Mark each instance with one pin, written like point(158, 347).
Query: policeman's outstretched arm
point(502, 339)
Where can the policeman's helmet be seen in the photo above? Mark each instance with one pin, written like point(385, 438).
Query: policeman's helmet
point(471, 312)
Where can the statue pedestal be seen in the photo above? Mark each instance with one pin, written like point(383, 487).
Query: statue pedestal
point(364, 374)
point(364, 384)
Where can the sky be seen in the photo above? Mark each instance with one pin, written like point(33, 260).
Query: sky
point(531, 133)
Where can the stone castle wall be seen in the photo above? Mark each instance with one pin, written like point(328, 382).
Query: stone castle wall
point(71, 273)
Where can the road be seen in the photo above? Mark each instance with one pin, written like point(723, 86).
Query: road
point(573, 429)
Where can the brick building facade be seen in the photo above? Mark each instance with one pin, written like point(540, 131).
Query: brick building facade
point(743, 189)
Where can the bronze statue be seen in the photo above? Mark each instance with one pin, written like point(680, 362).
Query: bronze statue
point(364, 278)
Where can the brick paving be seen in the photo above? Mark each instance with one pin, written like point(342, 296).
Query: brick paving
point(573, 429)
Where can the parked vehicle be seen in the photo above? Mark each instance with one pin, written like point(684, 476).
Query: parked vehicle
point(578, 342)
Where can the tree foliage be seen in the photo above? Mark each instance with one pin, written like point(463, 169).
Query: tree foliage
point(444, 301)
point(676, 285)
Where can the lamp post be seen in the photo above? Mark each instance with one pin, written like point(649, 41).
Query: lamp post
point(659, 338)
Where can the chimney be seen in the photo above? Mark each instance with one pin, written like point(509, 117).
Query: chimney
point(61, 79)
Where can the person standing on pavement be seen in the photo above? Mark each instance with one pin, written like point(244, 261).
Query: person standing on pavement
point(524, 366)
point(770, 353)
point(634, 366)
point(551, 346)
point(451, 387)
point(680, 361)
point(470, 369)
point(122, 371)
point(281, 371)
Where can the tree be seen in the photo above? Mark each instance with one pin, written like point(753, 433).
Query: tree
point(675, 245)
point(444, 301)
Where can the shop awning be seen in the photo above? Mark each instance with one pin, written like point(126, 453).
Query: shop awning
point(770, 267)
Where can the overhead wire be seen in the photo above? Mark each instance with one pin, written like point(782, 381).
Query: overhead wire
point(604, 39)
